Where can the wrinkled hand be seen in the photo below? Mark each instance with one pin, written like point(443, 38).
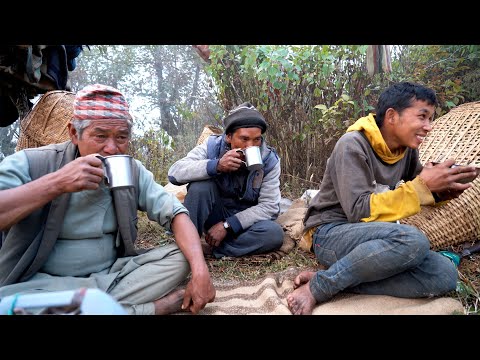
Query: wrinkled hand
point(230, 161)
point(215, 234)
point(83, 173)
point(199, 292)
point(443, 179)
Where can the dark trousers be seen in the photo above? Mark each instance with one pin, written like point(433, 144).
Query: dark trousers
point(206, 209)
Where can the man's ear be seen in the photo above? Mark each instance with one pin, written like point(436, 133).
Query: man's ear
point(390, 115)
point(73, 133)
point(228, 138)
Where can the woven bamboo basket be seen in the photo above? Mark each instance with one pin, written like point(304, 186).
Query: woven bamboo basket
point(454, 135)
point(46, 123)
point(207, 131)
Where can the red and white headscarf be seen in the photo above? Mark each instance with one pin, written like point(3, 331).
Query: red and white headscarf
point(100, 102)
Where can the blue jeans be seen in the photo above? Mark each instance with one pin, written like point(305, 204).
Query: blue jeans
point(379, 258)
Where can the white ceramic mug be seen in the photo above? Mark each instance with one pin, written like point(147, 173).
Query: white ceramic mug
point(118, 170)
point(253, 157)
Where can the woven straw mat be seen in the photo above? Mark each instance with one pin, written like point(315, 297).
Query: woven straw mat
point(46, 123)
point(454, 135)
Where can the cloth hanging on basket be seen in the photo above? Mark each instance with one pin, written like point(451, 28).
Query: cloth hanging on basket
point(29, 70)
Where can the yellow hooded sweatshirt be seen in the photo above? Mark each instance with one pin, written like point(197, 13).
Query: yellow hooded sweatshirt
point(407, 198)
point(391, 205)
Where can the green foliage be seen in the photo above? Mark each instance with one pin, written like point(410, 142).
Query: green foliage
point(334, 120)
point(471, 85)
point(165, 80)
point(469, 296)
point(448, 69)
point(302, 90)
point(103, 64)
point(308, 94)
point(285, 83)
point(154, 150)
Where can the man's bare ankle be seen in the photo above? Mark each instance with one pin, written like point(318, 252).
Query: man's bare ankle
point(170, 303)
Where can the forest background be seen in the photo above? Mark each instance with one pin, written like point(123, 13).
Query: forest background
point(309, 94)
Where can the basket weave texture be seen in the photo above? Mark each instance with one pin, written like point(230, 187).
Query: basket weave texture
point(207, 131)
point(46, 123)
point(454, 135)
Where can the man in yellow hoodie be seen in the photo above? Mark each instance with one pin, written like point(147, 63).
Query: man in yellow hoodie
point(372, 179)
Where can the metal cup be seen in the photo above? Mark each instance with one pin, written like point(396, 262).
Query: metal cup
point(253, 157)
point(118, 171)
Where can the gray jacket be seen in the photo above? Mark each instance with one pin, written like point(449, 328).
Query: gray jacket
point(353, 172)
point(201, 163)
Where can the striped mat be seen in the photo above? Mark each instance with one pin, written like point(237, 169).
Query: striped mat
point(267, 296)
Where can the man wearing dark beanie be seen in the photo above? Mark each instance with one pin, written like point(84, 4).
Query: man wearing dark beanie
point(244, 116)
point(64, 229)
point(234, 207)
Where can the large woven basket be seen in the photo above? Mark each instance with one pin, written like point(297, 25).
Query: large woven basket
point(455, 135)
point(47, 122)
point(207, 131)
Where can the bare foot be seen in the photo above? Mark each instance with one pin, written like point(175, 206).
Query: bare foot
point(302, 278)
point(170, 303)
point(301, 300)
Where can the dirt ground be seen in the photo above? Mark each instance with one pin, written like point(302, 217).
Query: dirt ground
point(468, 286)
point(255, 267)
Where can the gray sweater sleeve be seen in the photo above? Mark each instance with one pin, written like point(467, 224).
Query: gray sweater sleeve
point(195, 166)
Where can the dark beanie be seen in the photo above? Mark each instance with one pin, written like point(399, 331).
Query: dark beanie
point(244, 115)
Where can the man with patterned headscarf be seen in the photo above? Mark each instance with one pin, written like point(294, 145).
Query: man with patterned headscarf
point(64, 229)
